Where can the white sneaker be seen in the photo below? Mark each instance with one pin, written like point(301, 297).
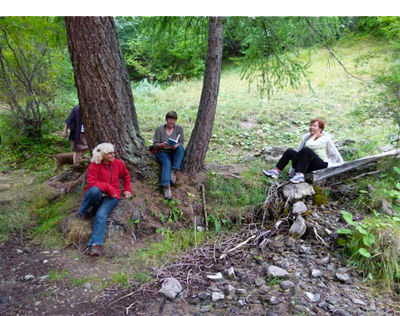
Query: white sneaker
point(298, 177)
point(271, 173)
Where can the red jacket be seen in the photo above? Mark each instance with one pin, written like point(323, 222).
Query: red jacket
point(106, 177)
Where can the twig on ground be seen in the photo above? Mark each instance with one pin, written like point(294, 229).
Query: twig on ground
point(203, 195)
point(236, 247)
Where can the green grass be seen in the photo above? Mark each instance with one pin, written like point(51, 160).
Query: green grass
point(245, 123)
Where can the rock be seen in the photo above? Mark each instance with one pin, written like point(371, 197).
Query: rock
point(287, 285)
point(269, 313)
point(316, 273)
point(204, 296)
point(229, 291)
point(298, 228)
point(205, 309)
point(217, 296)
point(215, 277)
point(358, 301)
point(297, 191)
point(19, 251)
point(241, 291)
point(231, 273)
point(276, 151)
point(344, 277)
point(241, 303)
point(299, 208)
point(273, 300)
point(312, 297)
point(259, 282)
point(29, 277)
point(170, 288)
point(269, 159)
point(276, 272)
point(4, 299)
point(384, 207)
point(324, 260)
point(200, 228)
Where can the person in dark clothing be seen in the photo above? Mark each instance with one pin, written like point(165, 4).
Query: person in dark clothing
point(76, 137)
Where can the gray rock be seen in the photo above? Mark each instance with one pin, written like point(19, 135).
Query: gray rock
point(241, 303)
point(231, 273)
point(277, 272)
point(259, 282)
point(204, 296)
point(276, 151)
point(230, 291)
point(269, 159)
point(217, 296)
point(170, 288)
point(299, 208)
point(344, 277)
point(287, 285)
point(19, 251)
point(298, 228)
point(270, 313)
point(205, 309)
point(215, 277)
point(316, 273)
point(297, 191)
point(273, 300)
point(384, 207)
point(358, 301)
point(29, 277)
point(312, 297)
point(241, 291)
point(4, 299)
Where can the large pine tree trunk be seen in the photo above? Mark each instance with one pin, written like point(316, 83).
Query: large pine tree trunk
point(197, 147)
point(104, 90)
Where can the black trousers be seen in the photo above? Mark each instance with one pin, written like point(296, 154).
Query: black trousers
point(304, 161)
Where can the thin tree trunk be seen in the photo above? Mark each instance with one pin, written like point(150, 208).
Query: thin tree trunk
point(104, 91)
point(196, 150)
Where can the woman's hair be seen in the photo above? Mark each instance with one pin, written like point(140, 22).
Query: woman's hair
point(321, 123)
point(171, 114)
point(100, 150)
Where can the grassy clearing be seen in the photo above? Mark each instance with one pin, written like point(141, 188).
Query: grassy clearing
point(245, 122)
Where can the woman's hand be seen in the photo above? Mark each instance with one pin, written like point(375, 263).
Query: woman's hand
point(64, 134)
point(163, 145)
point(127, 194)
point(175, 146)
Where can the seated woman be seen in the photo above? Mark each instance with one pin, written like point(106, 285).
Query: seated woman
point(103, 191)
point(316, 151)
point(170, 156)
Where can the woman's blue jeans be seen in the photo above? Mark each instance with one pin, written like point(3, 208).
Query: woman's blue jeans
point(103, 206)
point(170, 161)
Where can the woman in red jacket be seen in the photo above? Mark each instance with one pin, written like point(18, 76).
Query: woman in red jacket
point(103, 191)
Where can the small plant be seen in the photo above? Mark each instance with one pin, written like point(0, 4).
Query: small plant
point(120, 278)
point(274, 281)
point(56, 276)
point(373, 246)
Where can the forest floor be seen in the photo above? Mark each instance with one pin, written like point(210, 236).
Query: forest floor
point(36, 280)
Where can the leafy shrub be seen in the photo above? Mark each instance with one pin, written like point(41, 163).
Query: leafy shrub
point(373, 246)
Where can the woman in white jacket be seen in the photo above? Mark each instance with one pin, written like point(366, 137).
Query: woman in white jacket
point(316, 151)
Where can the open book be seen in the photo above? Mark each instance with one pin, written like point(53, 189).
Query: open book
point(173, 142)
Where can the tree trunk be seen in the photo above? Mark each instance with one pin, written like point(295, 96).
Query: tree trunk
point(104, 91)
point(196, 150)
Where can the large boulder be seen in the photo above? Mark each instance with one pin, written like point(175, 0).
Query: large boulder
point(297, 191)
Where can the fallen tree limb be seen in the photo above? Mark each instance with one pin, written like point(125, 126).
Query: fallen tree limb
point(348, 169)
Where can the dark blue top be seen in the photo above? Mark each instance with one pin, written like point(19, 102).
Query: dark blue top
point(74, 123)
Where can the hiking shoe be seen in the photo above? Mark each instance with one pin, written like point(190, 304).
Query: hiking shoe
point(167, 192)
point(271, 173)
point(298, 177)
point(173, 177)
point(95, 250)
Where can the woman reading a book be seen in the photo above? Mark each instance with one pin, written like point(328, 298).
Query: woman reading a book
point(169, 140)
point(316, 151)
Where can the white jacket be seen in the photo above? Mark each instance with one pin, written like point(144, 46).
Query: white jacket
point(334, 157)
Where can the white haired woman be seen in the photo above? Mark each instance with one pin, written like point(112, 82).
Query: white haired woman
point(103, 191)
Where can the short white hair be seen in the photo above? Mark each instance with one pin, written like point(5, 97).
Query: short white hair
point(100, 150)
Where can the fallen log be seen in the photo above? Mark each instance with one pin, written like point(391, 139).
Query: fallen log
point(349, 169)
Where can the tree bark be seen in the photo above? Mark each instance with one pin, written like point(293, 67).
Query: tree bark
point(196, 150)
point(104, 91)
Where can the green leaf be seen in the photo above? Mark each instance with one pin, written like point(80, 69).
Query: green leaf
point(344, 231)
point(361, 230)
point(369, 240)
point(398, 186)
point(364, 252)
point(348, 217)
point(396, 219)
point(397, 169)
